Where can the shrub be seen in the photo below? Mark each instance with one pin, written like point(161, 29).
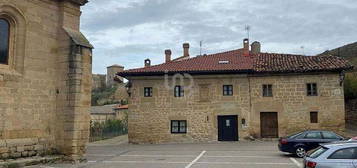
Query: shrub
point(107, 129)
point(350, 86)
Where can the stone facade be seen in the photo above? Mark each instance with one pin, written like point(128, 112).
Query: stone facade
point(149, 117)
point(45, 89)
point(111, 74)
point(351, 113)
point(108, 112)
point(100, 81)
point(348, 52)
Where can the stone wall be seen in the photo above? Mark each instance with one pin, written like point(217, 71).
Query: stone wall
point(45, 90)
point(108, 112)
point(351, 113)
point(293, 106)
point(27, 147)
point(149, 117)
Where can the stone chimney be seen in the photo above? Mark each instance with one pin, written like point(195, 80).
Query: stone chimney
point(147, 62)
point(246, 47)
point(255, 47)
point(186, 48)
point(167, 55)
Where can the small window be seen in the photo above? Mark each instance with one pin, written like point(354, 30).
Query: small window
point(227, 90)
point(243, 122)
point(313, 135)
point(330, 135)
point(311, 89)
point(347, 153)
point(228, 123)
point(313, 117)
point(179, 92)
point(267, 90)
point(147, 91)
point(4, 41)
point(178, 126)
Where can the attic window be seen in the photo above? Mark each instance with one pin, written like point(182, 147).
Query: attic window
point(223, 62)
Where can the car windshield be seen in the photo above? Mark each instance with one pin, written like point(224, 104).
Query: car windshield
point(317, 152)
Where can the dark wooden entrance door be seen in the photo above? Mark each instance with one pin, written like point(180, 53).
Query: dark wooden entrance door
point(269, 125)
point(228, 128)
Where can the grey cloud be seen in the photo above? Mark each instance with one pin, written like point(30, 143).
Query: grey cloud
point(282, 26)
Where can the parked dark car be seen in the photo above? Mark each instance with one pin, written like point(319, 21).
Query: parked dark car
point(302, 142)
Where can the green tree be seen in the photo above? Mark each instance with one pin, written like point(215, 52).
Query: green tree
point(350, 85)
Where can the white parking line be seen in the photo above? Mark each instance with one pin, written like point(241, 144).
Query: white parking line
point(154, 162)
point(105, 155)
point(223, 156)
point(298, 164)
point(195, 160)
point(245, 163)
point(158, 155)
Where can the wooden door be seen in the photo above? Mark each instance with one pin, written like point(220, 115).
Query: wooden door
point(269, 125)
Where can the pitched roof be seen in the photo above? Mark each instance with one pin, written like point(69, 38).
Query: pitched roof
point(107, 109)
point(235, 62)
point(79, 2)
point(78, 38)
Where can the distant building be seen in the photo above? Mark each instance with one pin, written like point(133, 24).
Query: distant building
point(111, 74)
point(109, 79)
point(108, 112)
point(234, 95)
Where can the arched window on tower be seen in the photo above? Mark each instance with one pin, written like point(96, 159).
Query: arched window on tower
point(4, 41)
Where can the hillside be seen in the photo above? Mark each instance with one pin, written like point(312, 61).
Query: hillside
point(348, 52)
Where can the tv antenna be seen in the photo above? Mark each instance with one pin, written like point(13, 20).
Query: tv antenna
point(247, 28)
point(303, 50)
point(201, 47)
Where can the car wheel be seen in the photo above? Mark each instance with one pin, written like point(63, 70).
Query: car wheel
point(300, 152)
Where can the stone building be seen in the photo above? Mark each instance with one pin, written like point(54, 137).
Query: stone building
point(348, 52)
point(108, 112)
point(45, 78)
point(234, 95)
point(111, 74)
point(109, 79)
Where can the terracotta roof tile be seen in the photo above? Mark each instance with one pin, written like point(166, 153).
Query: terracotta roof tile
point(122, 106)
point(235, 62)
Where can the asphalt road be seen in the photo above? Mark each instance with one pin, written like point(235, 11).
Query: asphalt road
point(210, 155)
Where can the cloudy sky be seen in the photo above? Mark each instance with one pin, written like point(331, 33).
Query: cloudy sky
point(126, 32)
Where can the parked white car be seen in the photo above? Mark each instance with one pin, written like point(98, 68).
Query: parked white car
point(353, 139)
point(341, 154)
